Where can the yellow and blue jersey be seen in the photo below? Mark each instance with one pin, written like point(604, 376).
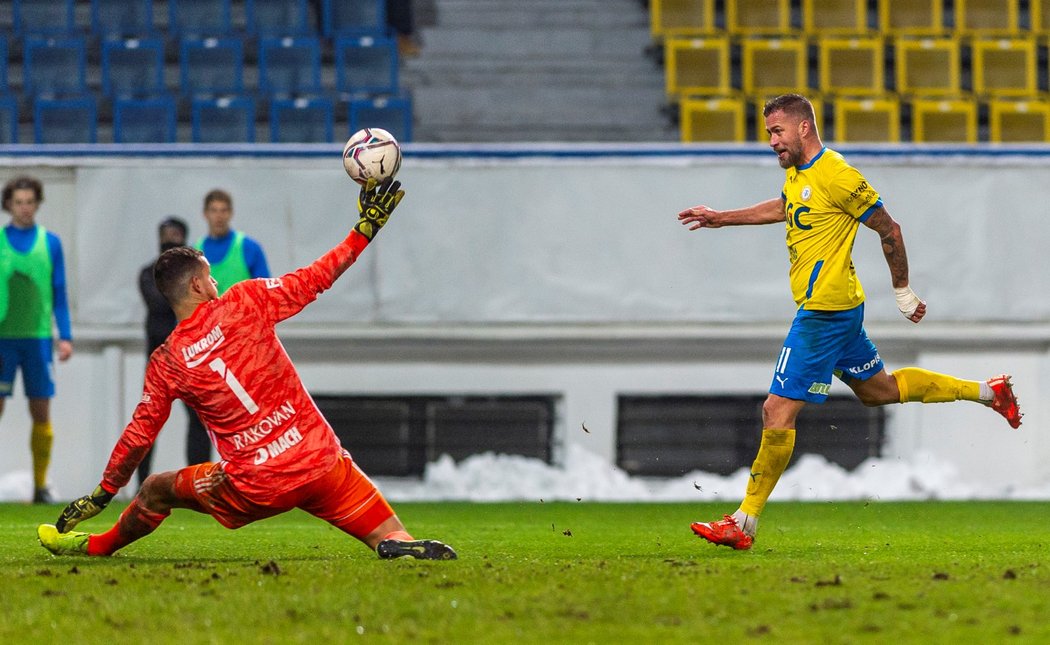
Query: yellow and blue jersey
point(825, 201)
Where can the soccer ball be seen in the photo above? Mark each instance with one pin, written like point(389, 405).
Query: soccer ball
point(371, 152)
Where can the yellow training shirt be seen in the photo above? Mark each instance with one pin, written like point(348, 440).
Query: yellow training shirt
point(824, 202)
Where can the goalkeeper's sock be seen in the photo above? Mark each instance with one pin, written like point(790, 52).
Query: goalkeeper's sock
point(40, 440)
point(134, 523)
point(919, 385)
point(400, 536)
point(774, 453)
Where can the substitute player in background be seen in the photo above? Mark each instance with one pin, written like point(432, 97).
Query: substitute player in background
point(276, 450)
point(32, 293)
point(823, 203)
point(233, 257)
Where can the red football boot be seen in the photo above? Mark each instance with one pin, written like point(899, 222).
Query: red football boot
point(1005, 403)
point(725, 531)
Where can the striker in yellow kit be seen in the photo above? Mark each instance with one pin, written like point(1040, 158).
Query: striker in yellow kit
point(825, 202)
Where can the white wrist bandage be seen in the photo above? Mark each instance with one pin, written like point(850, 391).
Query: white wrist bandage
point(907, 301)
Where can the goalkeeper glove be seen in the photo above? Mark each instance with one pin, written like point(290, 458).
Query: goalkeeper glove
point(84, 508)
point(375, 203)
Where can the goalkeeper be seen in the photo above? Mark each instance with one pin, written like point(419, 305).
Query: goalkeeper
point(276, 451)
point(823, 203)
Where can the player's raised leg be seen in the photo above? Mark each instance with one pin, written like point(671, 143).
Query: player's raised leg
point(914, 384)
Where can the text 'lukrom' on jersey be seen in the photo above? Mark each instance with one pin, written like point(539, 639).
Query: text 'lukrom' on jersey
point(825, 202)
point(226, 362)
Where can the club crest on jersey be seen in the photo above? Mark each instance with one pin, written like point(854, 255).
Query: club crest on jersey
point(199, 351)
point(273, 283)
point(807, 192)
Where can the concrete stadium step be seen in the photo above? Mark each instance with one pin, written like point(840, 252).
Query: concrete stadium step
point(643, 75)
point(458, 133)
point(517, 105)
point(527, 14)
point(537, 70)
point(505, 41)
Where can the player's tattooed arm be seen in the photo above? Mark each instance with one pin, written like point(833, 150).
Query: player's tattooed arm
point(909, 304)
point(892, 245)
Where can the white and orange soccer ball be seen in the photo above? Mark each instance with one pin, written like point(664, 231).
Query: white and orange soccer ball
point(371, 153)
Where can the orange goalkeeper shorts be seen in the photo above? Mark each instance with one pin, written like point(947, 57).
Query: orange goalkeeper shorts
point(344, 497)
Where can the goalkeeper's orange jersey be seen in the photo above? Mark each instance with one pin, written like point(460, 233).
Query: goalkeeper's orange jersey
point(226, 362)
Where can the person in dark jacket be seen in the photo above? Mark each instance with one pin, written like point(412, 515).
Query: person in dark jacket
point(160, 320)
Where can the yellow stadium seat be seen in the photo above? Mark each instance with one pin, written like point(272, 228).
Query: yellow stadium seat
point(675, 18)
point(927, 66)
point(1039, 12)
point(948, 121)
point(988, 17)
point(1018, 121)
point(757, 17)
point(835, 16)
point(697, 66)
point(1005, 67)
point(712, 120)
point(867, 120)
point(773, 65)
point(911, 17)
point(852, 66)
point(759, 105)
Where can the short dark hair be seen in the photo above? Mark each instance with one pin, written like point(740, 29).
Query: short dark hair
point(793, 104)
point(173, 269)
point(22, 182)
point(218, 195)
point(173, 222)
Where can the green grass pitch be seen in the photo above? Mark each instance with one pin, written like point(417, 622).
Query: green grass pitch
point(534, 572)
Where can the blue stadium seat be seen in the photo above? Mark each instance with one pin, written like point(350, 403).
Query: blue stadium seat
point(223, 120)
point(65, 120)
point(8, 119)
point(54, 67)
point(340, 18)
point(149, 120)
point(392, 114)
point(210, 67)
point(290, 65)
point(366, 65)
point(43, 17)
point(132, 67)
point(3, 63)
point(269, 18)
point(199, 18)
point(301, 120)
point(119, 19)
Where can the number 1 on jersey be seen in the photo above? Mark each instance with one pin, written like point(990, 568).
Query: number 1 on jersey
point(219, 367)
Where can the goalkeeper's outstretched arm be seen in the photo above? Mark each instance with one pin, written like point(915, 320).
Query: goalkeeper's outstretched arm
point(83, 508)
